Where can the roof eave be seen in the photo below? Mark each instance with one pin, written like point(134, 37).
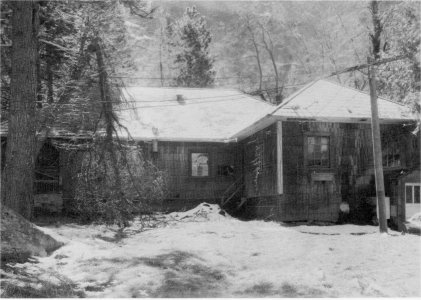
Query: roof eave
point(341, 119)
point(255, 127)
point(182, 139)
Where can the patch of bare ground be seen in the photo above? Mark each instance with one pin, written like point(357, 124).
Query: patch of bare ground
point(286, 290)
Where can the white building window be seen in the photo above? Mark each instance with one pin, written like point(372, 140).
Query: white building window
point(412, 193)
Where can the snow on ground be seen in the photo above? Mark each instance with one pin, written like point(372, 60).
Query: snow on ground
point(337, 230)
point(204, 253)
point(415, 221)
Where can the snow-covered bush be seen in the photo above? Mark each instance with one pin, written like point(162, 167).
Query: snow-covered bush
point(113, 189)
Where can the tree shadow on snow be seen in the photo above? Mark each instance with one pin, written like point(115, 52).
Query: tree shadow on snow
point(18, 283)
point(185, 276)
point(286, 290)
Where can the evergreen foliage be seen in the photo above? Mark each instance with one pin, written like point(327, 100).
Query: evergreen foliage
point(191, 38)
point(98, 199)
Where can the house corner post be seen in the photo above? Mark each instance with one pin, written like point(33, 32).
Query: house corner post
point(279, 164)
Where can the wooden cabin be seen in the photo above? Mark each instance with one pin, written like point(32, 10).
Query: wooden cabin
point(297, 161)
point(294, 162)
point(324, 154)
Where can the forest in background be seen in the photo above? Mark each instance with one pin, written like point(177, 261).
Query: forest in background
point(307, 40)
point(260, 47)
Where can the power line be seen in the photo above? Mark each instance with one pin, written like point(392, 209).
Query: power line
point(239, 97)
point(242, 94)
point(179, 105)
point(170, 78)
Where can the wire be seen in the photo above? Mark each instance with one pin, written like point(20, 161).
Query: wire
point(240, 97)
point(169, 78)
point(254, 93)
point(181, 105)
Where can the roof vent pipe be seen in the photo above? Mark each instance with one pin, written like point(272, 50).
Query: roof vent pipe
point(180, 99)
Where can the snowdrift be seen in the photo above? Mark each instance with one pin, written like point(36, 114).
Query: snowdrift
point(414, 223)
point(201, 213)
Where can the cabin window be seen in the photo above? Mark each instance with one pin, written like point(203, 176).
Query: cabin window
point(391, 155)
point(200, 164)
point(412, 193)
point(318, 151)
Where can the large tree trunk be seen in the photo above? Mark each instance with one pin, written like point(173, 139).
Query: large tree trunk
point(18, 175)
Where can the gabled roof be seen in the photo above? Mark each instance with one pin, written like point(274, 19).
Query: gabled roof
point(204, 114)
point(324, 100)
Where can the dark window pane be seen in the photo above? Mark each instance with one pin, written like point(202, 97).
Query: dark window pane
point(408, 194)
point(417, 194)
point(391, 155)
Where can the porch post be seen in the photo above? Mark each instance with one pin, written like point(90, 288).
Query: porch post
point(279, 165)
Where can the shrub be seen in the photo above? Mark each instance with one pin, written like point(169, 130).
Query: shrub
point(114, 188)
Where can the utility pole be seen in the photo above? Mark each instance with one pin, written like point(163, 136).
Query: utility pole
point(375, 126)
point(377, 149)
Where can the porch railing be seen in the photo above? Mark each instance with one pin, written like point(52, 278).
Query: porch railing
point(231, 191)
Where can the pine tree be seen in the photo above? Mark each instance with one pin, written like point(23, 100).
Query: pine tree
point(18, 174)
point(193, 60)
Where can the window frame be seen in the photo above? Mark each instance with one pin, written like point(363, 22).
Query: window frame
point(391, 149)
point(412, 185)
point(329, 135)
point(191, 152)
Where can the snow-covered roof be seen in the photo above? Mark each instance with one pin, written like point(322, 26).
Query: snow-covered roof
point(328, 101)
point(223, 115)
point(189, 114)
